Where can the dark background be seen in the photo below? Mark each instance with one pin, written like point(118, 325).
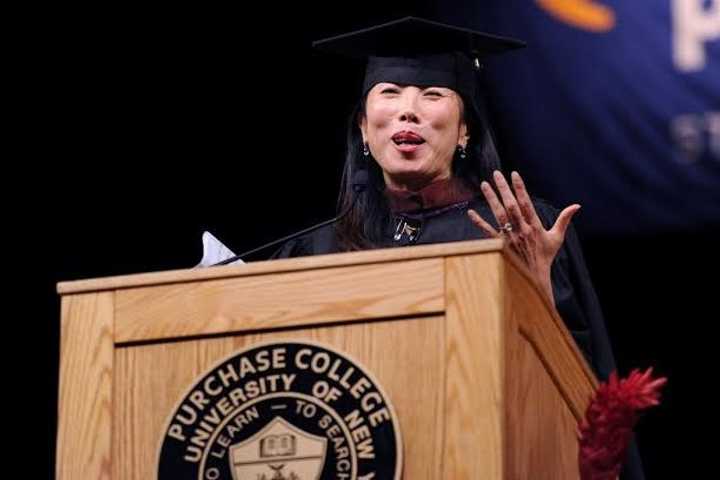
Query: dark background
point(152, 124)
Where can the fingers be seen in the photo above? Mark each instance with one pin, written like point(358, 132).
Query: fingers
point(496, 206)
point(508, 199)
point(563, 221)
point(482, 224)
point(523, 198)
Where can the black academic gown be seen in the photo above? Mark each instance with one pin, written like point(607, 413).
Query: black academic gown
point(575, 297)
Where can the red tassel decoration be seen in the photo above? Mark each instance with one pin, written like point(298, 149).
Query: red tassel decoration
point(609, 421)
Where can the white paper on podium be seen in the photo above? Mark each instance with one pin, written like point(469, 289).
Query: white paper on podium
point(214, 251)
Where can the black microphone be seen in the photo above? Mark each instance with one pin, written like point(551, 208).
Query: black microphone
point(359, 184)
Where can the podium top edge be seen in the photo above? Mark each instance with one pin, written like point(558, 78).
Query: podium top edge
point(280, 265)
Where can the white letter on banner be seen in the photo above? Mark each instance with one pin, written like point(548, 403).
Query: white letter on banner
point(693, 25)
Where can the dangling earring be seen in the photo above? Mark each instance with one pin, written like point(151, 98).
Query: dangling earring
point(366, 150)
point(461, 151)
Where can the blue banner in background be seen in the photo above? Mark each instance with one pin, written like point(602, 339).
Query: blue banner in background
point(614, 105)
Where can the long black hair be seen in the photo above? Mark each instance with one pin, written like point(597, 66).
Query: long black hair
point(365, 225)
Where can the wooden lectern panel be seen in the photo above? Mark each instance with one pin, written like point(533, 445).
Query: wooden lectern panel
point(281, 300)
point(143, 388)
point(546, 384)
point(473, 409)
point(86, 386)
point(540, 442)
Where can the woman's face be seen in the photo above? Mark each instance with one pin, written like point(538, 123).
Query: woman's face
point(413, 132)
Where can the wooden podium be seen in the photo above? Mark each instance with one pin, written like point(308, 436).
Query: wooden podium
point(485, 380)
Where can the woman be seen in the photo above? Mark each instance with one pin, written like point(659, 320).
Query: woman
point(421, 135)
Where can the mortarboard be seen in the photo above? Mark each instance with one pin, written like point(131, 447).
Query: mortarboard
point(414, 51)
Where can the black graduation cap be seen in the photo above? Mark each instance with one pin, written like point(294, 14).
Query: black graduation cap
point(415, 51)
